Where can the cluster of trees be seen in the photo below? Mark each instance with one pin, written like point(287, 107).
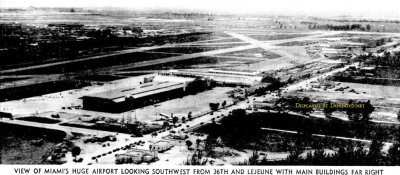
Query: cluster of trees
point(346, 27)
point(386, 60)
point(360, 114)
point(196, 159)
point(290, 104)
point(361, 130)
point(275, 84)
point(350, 154)
point(354, 114)
point(199, 157)
point(235, 130)
point(243, 131)
point(214, 106)
point(239, 129)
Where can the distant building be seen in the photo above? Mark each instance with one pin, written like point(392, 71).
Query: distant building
point(225, 77)
point(179, 136)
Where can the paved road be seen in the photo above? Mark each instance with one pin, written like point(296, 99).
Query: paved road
point(66, 129)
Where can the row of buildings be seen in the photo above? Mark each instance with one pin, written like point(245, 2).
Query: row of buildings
point(126, 97)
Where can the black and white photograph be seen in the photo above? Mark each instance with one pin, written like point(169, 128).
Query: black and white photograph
point(200, 82)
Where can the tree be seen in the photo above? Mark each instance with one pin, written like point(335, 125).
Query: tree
point(294, 156)
point(189, 143)
point(165, 124)
point(394, 154)
point(213, 121)
point(368, 27)
point(253, 159)
point(366, 112)
point(223, 104)
point(374, 156)
point(198, 141)
point(214, 106)
point(275, 82)
point(305, 111)
point(210, 144)
point(398, 116)
point(76, 151)
point(175, 120)
point(196, 159)
point(350, 112)
point(328, 110)
point(183, 120)
point(190, 116)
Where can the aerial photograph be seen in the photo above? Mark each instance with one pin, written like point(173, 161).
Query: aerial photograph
point(200, 82)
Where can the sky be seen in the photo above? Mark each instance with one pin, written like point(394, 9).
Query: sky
point(345, 7)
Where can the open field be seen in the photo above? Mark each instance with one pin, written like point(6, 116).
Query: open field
point(17, 147)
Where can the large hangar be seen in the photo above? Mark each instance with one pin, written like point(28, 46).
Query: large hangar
point(124, 99)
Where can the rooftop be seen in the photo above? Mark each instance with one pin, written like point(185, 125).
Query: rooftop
point(138, 91)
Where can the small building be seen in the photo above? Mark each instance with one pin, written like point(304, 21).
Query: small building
point(370, 69)
point(136, 157)
point(160, 146)
point(179, 136)
point(225, 77)
point(263, 105)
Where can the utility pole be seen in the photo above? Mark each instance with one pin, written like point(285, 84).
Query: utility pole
point(135, 116)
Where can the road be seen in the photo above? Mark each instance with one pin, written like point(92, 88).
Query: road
point(66, 129)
